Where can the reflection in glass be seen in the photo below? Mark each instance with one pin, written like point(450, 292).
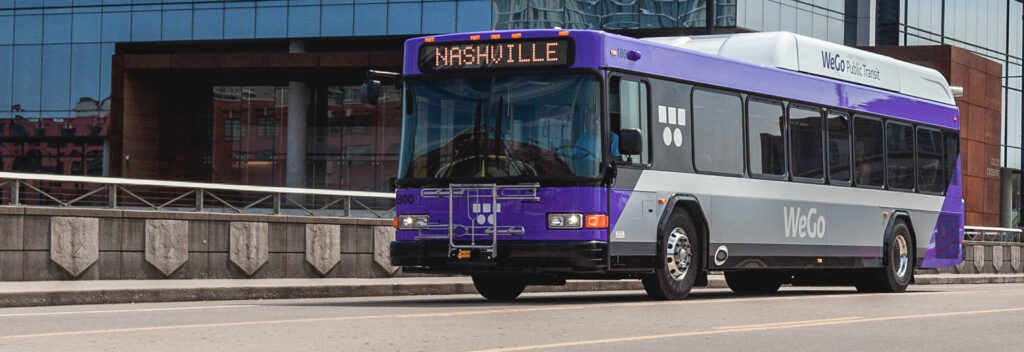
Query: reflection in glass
point(56, 76)
point(767, 147)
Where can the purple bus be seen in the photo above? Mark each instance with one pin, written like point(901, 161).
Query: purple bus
point(535, 156)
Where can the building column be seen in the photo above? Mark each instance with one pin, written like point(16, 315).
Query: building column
point(298, 108)
point(1006, 197)
point(860, 22)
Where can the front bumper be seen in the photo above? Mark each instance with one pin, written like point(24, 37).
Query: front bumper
point(517, 256)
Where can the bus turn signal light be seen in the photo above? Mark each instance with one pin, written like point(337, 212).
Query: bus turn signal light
point(396, 223)
point(598, 221)
point(428, 39)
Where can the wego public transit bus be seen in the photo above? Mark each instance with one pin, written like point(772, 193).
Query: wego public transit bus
point(530, 157)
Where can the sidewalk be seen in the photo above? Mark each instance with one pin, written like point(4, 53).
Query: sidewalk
point(45, 293)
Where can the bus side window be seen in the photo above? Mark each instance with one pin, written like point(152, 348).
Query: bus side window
point(628, 109)
point(869, 147)
point(805, 133)
point(929, 161)
point(899, 142)
point(952, 151)
point(839, 147)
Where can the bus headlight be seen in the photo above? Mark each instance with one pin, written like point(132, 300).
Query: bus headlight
point(412, 222)
point(565, 221)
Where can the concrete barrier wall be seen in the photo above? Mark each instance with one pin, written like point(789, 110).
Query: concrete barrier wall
point(92, 244)
point(989, 258)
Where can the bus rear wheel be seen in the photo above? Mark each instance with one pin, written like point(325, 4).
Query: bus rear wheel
point(899, 264)
point(499, 287)
point(679, 253)
point(753, 281)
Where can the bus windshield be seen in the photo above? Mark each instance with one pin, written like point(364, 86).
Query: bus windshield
point(501, 128)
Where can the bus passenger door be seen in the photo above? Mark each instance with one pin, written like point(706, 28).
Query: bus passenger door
point(633, 216)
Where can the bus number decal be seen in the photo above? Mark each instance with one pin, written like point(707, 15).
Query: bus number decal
point(800, 224)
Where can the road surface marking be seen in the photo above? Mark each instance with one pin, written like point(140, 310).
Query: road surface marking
point(785, 323)
point(455, 314)
point(747, 328)
point(123, 311)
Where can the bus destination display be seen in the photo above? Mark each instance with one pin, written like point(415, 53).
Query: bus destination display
point(495, 55)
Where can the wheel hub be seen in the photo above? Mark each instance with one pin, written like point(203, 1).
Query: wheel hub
point(901, 256)
point(678, 253)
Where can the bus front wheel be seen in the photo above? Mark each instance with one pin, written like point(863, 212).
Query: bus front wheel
point(499, 287)
point(899, 264)
point(679, 253)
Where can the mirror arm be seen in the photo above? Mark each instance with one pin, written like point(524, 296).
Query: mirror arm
point(375, 74)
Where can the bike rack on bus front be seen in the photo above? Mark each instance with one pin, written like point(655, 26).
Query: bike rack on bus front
point(482, 208)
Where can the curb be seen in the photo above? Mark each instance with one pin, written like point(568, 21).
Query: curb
point(115, 296)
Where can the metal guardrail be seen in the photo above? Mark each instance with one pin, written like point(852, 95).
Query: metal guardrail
point(1000, 234)
point(122, 193)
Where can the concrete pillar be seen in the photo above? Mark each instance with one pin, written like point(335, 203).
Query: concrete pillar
point(298, 109)
point(1006, 197)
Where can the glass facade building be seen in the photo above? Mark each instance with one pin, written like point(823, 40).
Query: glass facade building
point(61, 86)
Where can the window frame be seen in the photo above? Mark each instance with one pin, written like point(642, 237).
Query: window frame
point(821, 141)
point(853, 152)
point(615, 78)
point(693, 131)
point(913, 144)
point(946, 163)
point(849, 148)
point(746, 139)
point(942, 159)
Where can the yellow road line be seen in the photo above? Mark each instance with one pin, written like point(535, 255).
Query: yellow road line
point(785, 323)
point(746, 329)
point(468, 313)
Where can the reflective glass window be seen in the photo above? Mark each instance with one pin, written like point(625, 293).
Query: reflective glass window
point(146, 26)
point(368, 19)
point(239, 23)
point(57, 29)
point(717, 132)
point(304, 21)
point(439, 17)
point(473, 16)
point(765, 142)
point(117, 26)
point(271, 22)
point(28, 29)
point(6, 76)
point(208, 24)
point(869, 147)
point(106, 53)
point(404, 18)
point(839, 147)
point(930, 177)
point(27, 76)
point(805, 133)
point(900, 155)
point(177, 25)
point(628, 107)
point(56, 76)
point(86, 27)
point(6, 30)
point(85, 72)
point(336, 21)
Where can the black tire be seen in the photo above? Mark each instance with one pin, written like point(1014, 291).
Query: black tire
point(499, 287)
point(753, 281)
point(667, 282)
point(899, 264)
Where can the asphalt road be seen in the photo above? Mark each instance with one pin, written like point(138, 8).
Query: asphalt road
point(927, 318)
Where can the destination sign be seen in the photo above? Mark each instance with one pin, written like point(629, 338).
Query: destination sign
point(551, 52)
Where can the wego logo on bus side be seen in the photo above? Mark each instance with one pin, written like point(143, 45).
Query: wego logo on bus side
point(849, 66)
point(672, 117)
point(800, 224)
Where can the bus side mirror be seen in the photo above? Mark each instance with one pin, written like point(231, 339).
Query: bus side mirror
point(630, 141)
point(369, 93)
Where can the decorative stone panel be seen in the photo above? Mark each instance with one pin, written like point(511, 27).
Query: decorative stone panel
point(1015, 261)
point(167, 244)
point(323, 246)
point(997, 258)
point(382, 237)
point(250, 245)
point(74, 243)
point(979, 257)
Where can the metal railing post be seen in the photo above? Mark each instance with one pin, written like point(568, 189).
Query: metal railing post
point(112, 196)
point(199, 199)
point(277, 203)
point(348, 206)
point(16, 192)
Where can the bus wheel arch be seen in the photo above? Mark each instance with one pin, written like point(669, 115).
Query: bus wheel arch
point(690, 205)
point(905, 217)
point(891, 277)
